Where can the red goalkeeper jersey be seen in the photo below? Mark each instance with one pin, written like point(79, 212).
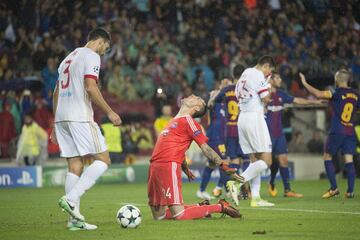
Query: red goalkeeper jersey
point(176, 138)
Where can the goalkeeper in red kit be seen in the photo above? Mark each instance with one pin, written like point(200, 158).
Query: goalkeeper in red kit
point(167, 162)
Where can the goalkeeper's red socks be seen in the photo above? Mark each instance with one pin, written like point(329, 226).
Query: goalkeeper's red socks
point(168, 214)
point(196, 212)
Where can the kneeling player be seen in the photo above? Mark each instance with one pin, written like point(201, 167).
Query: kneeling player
point(167, 160)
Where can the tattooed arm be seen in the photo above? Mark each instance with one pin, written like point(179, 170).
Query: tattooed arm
point(211, 154)
point(215, 158)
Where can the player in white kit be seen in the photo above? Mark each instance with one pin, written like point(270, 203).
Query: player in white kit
point(75, 130)
point(252, 91)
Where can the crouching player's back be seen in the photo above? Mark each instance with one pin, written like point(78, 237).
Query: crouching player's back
point(167, 162)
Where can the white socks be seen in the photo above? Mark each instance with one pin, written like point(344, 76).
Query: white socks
point(255, 184)
point(86, 180)
point(254, 170)
point(70, 181)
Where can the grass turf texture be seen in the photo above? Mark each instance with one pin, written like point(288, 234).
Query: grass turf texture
point(34, 214)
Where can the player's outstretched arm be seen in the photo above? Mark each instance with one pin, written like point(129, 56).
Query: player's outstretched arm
point(214, 157)
point(303, 101)
point(316, 92)
point(213, 95)
point(266, 100)
point(96, 96)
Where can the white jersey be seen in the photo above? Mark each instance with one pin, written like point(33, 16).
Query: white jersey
point(250, 89)
point(73, 102)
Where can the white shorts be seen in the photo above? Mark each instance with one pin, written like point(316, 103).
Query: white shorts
point(254, 134)
point(79, 138)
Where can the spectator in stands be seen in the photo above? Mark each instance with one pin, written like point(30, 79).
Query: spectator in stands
point(15, 111)
point(50, 75)
point(115, 79)
point(297, 144)
point(129, 146)
point(113, 139)
point(355, 68)
point(26, 102)
point(162, 121)
point(32, 144)
point(42, 113)
point(144, 86)
point(142, 136)
point(316, 143)
point(7, 130)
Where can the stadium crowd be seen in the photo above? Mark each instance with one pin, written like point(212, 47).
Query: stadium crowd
point(162, 51)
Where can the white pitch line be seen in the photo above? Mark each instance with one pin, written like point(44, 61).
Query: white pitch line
point(301, 210)
point(272, 209)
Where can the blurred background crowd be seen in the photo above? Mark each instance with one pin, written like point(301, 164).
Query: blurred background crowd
point(162, 50)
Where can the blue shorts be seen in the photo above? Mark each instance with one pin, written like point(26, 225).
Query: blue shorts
point(336, 142)
point(279, 145)
point(233, 148)
point(219, 148)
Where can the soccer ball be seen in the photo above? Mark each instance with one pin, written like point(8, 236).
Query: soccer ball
point(129, 216)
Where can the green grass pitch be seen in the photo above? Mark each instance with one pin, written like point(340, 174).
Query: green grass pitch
point(34, 214)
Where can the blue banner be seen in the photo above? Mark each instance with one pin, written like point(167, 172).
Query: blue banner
point(11, 177)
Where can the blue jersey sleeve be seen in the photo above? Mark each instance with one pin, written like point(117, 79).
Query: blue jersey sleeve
point(219, 98)
point(286, 98)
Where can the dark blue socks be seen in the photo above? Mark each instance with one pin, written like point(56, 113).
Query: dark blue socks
point(350, 173)
point(205, 178)
point(330, 171)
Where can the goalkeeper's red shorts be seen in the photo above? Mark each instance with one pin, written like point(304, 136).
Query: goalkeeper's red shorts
point(164, 184)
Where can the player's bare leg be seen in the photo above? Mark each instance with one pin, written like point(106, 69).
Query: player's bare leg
point(350, 173)
point(331, 174)
point(284, 172)
point(158, 212)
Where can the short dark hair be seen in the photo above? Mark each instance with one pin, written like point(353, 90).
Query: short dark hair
point(274, 73)
point(201, 112)
point(266, 59)
point(99, 33)
point(237, 71)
